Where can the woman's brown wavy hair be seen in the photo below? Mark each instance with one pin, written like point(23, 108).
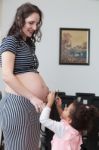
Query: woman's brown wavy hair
point(22, 13)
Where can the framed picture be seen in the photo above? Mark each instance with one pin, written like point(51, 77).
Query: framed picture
point(74, 46)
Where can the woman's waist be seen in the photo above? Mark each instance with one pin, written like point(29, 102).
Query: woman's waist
point(39, 92)
point(33, 82)
point(10, 90)
point(42, 93)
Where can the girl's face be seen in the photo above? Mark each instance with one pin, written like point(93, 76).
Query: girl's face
point(31, 25)
point(66, 114)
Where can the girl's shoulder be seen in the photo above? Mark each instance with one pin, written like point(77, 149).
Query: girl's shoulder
point(69, 127)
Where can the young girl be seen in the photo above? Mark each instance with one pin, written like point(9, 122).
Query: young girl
point(74, 119)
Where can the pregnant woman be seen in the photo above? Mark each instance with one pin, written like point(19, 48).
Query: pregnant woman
point(25, 90)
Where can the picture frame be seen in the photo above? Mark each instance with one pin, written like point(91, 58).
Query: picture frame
point(74, 46)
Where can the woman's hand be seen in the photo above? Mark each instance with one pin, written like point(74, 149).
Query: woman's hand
point(38, 104)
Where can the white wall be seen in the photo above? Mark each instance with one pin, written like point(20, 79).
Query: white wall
point(63, 13)
point(0, 18)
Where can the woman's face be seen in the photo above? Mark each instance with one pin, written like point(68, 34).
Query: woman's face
point(31, 25)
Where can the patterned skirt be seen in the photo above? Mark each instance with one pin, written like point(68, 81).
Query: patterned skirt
point(19, 122)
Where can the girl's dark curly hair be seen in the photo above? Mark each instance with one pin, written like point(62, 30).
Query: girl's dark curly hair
point(22, 13)
point(83, 116)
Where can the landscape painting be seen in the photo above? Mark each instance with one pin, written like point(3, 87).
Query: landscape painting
point(74, 46)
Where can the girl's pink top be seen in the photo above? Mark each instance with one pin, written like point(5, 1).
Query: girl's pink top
point(71, 140)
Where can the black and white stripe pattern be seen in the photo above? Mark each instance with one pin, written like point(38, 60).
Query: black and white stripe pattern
point(19, 122)
point(25, 58)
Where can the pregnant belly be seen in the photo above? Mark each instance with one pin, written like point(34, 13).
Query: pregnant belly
point(35, 83)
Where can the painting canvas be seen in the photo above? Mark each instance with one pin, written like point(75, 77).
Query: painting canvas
point(74, 46)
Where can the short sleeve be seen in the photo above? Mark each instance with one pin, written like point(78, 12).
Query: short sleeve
point(8, 44)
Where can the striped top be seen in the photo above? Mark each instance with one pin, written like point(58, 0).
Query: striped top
point(25, 58)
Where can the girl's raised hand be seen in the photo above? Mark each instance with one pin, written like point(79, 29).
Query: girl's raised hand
point(59, 102)
point(50, 98)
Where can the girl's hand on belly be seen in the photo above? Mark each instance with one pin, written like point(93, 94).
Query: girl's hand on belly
point(38, 104)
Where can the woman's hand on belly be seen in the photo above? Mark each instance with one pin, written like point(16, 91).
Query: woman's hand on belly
point(36, 85)
point(38, 104)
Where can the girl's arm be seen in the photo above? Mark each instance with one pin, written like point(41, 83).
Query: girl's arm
point(55, 126)
point(8, 59)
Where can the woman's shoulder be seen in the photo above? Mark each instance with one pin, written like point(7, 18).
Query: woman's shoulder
point(9, 38)
point(8, 43)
